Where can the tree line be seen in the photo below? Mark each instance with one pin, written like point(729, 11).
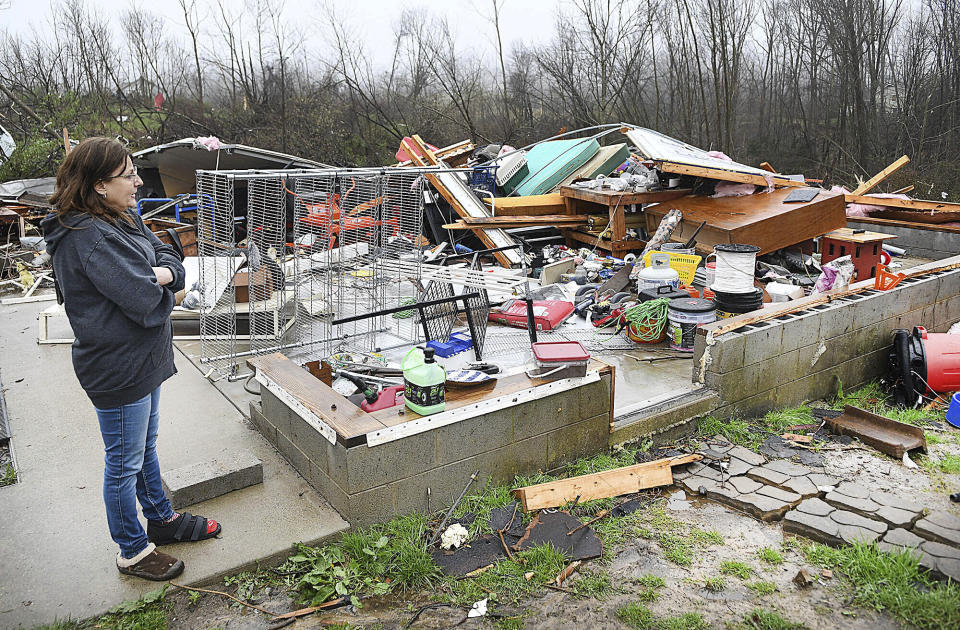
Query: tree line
point(834, 89)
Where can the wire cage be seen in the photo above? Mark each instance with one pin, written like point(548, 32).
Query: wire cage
point(285, 254)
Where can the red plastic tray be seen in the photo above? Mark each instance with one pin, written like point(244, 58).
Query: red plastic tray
point(559, 352)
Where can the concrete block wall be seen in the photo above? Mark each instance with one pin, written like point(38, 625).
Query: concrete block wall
point(803, 355)
point(372, 484)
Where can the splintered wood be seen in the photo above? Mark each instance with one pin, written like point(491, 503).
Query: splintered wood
point(601, 485)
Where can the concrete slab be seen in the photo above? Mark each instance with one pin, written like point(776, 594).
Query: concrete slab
point(58, 559)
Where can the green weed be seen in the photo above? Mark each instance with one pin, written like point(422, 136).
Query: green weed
point(715, 584)
point(61, 624)
point(688, 621)
point(770, 555)
point(492, 496)
point(636, 616)
point(651, 581)
point(8, 476)
point(891, 582)
point(750, 433)
point(595, 584)
point(678, 540)
point(872, 398)
point(194, 597)
point(509, 623)
point(739, 569)
point(762, 587)
point(760, 619)
point(948, 464)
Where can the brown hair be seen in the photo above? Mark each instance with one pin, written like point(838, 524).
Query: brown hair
point(89, 162)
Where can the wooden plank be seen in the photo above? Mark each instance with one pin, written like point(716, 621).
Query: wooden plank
point(767, 167)
point(450, 152)
point(429, 159)
point(913, 225)
point(882, 175)
point(348, 420)
point(903, 191)
point(546, 218)
point(761, 219)
point(857, 236)
point(460, 225)
point(525, 205)
point(603, 243)
point(905, 204)
point(724, 175)
point(601, 485)
point(613, 198)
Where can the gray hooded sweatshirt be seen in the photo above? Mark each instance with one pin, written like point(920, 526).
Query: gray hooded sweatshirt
point(119, 313)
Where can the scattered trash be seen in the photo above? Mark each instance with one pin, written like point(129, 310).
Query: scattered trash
point(479, 609)
point(552, 528)
point(886, 435)
point(454, 536)
point(803, 579)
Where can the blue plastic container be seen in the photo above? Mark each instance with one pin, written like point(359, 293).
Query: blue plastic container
point(457, 343)
point(953, 411)
point(484, 178)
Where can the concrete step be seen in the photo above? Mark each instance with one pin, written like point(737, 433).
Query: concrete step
point(664, 418)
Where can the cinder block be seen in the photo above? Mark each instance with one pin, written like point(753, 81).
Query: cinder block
point(835, 321)
point(738, 384)
point(525, 457)
point(202, 481)
point(949, 285)
point(801, 331)
point(375, 506)
point(445, 484)
point(838, 350)
point(369, 466)
point(757, 405)
point(585, 438)
point(477, 435)
point(924, 293)
point(595, 398)
point(869, 311)
point(546, 414)
point(910, 319)
point(727, 352)
point(762, 343)
point(776, 370)
point(264, 426)
point(794, 392)
point(300, 462)
point(295, 428)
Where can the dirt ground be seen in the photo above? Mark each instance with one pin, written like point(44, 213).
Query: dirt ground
point(826, 604)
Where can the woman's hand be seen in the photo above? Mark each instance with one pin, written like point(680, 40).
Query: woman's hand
point(164, 275)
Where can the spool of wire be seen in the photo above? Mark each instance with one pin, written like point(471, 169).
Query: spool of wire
point(735, 266)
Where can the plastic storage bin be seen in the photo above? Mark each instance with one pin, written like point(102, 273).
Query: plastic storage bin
point(559, 359)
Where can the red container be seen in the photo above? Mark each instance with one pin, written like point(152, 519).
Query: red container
point(942, 354)
point(560, 359)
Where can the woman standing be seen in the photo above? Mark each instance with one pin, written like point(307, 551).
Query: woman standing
point(118, 283)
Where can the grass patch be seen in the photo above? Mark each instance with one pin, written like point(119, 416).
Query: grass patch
point(948, 464)
point(760, 619)
point(595, 584)
point(715, 584)
point(891, 582)
point(370, 561)
point(872, 398)
point(762, 587)
point(688, 621)
point(738, 569)
point(505, 583)
point(636, 616)
point(678, 540)
point(751, 433)
point(8, 476)
point(770, 556)
point(492, 496)
point(509, 623)
point(651, 581)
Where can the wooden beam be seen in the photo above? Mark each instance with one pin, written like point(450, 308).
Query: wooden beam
point(905, 204)
point(546, 218)
point(882, 175)
point(602, 485)
point(527, 205)
point(429, 159)
point(767, 167)
point(724, 175)
point(903, 191)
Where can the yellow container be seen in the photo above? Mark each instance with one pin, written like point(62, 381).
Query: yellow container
point(684, 264)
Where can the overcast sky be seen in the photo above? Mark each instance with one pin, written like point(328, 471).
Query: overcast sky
point(521, 20)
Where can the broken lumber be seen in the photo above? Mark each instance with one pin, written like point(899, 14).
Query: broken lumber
point(602, 485)
point(904, 204)
point(882, 175)
point(423, 156)
point(535, 205)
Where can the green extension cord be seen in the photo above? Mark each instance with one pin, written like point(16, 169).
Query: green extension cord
point(648, 319)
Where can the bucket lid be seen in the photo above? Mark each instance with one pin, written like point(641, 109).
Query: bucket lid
point(559, 351)
point(663, 291)
point(692, 305)
point(736, 248)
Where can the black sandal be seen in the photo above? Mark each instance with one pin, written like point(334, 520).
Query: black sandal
point(184, 528)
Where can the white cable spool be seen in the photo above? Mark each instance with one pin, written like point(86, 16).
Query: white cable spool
point(735, 266)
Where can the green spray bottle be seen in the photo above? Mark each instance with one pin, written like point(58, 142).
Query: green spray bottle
point(423, 380)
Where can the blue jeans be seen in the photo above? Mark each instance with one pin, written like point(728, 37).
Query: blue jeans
point(131, 471)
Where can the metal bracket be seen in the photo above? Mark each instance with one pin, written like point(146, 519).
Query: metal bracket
point(442, 419)
point(297, 407)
